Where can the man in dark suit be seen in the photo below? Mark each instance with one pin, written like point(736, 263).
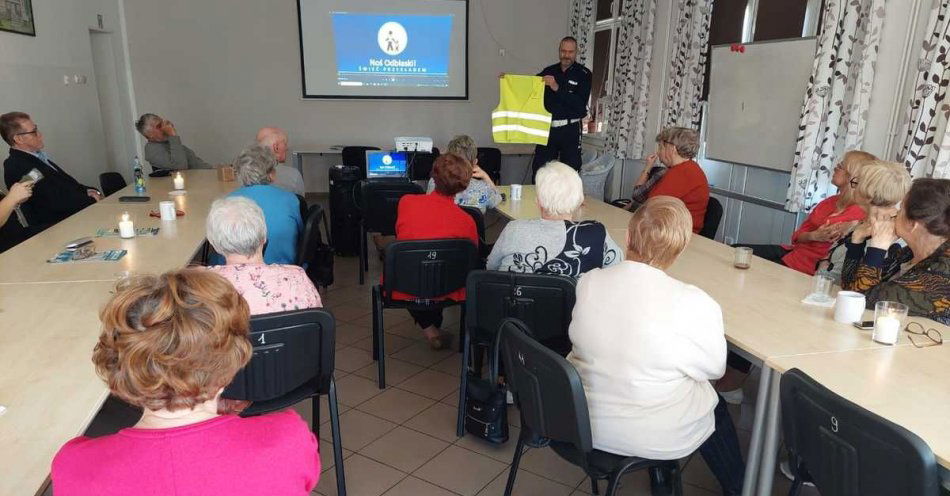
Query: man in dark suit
point(57, 195)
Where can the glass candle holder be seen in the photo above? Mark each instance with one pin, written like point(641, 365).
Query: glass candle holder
point(889, 319)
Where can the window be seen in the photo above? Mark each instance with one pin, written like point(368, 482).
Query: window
point(602, 64)
point(746, 21)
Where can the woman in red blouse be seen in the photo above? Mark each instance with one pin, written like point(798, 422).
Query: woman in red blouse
point(436, 216)
point(828, 222)
point(679, 177)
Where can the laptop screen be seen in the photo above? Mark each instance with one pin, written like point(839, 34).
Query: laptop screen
point(385, 164)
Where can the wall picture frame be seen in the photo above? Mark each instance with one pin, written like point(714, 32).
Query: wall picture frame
point(16, 16)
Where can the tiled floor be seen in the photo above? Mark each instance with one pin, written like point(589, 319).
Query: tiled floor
point(402, 441)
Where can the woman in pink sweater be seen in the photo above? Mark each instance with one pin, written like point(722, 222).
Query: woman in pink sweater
point(170, 344)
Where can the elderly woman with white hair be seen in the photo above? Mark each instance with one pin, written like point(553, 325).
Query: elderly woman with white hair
point(646, 346)
point(256, 169)
point(555, 244)
point(236, 229)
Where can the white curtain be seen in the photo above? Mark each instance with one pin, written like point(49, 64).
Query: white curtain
point(834, 112)
point(926, 148)
point(629, 102)
point(683, 104)
point(582, 26)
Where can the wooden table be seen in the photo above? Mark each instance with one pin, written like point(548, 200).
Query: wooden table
point(49, 320)
point(763, 316)
point(903, 384)
point(175, 244)
point(48, 383)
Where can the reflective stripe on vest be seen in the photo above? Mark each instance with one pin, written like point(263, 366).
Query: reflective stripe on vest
point(520, 116)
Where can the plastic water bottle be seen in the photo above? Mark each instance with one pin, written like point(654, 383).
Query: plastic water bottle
point(138, 176)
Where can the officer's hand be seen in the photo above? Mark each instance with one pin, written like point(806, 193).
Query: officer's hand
point(501, 75)
point(550, 82)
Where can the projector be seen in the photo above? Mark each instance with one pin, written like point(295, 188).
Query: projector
point(411, 144)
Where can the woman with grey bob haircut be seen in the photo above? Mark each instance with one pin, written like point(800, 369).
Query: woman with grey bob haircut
point(555, 243)
point(255, 168)
point(236, 229)
point(481, 192)
point(255, 165)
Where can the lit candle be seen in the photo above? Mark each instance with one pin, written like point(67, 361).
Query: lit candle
point(179, 181)
point(886, 329)
point(126, 229)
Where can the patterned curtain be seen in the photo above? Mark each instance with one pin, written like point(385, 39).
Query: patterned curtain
point(926, 148)
point(834, 112)
point(629, 102)
point(582, 26)
point(683, 105)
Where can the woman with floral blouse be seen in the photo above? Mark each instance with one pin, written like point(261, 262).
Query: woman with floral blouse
point(236, 229)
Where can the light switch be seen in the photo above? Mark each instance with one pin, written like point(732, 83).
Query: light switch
point(66, 80)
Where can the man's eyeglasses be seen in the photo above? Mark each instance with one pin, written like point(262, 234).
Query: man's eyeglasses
point(918, 329)
point(34, 131)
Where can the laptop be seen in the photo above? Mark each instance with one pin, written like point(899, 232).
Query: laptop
point(381, 165)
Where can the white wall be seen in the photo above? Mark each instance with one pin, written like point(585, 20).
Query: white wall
point(220, 69)
point(31, 80)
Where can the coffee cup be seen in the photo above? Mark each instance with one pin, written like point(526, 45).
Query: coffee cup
point(167, 210)
point(849, 307)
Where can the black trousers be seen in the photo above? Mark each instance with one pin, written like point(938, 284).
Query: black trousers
point(564, 144)
point(426, 318)
point(772, 253)
point(721, 453)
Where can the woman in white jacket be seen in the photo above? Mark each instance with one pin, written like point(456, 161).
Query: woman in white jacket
point(646, 346)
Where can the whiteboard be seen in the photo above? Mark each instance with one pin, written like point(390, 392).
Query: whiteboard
point(755, 102)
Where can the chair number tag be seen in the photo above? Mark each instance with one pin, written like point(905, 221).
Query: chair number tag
point(834, 424)
point(517, 290)
point(260, 339)
point(432, 255)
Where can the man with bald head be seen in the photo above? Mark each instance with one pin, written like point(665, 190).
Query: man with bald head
point(288, 177)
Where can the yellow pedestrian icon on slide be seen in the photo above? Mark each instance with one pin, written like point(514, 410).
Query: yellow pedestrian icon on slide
point(392, 38)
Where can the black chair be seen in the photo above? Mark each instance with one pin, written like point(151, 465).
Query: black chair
point(848, 451)
point(292, 362)
point(551, 398)
point(304, 208)
point(378, 204)
point(484, 248)
point(110, 182)
point(355, 156)
point(489, 159)
point(313, 254)
point(426, 269)
point(420, 164)
point(712, 219)
point(543, 301)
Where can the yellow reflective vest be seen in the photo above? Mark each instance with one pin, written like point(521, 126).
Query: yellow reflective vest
point(520, 116)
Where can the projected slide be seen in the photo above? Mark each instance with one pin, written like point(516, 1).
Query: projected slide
point(398, 49)
point(387, 50)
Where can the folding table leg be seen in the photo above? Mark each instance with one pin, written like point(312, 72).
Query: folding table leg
point(758, 427)
point(772, 431)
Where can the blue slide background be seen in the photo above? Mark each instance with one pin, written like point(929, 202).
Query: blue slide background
point(429, 42)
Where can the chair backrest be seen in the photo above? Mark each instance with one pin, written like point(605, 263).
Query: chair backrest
point(548, 389)
point(379, 201)
point(476, 214)
point(110, 182)
point(356, 156)
point(489, 159)
point(420, 164)
point(543, 302)
point(319, 270)
point(849, 451)
point(304, 208)
point(291, 349)
point(428, 268)
point(712, 219)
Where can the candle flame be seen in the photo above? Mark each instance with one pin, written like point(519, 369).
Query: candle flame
point(125, 217)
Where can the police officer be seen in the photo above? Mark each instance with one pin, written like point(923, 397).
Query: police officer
point(566, 92)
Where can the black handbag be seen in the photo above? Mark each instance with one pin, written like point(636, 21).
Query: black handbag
point(486, 411)
point(321, 271)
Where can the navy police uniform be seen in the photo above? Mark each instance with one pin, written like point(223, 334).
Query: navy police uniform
point(568, 106)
